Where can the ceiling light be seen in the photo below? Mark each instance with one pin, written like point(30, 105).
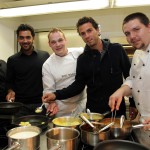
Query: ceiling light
point(54, 8)
point(130, 3)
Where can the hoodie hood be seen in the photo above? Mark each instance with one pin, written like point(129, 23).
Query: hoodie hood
point(105, 42)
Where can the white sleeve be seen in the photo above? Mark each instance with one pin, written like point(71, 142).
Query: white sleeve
point(48, 79)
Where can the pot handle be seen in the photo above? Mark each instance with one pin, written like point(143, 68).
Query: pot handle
point(138, 126)
point(106, 113)
point(14, 146)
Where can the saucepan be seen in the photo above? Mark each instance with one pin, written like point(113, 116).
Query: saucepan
point(119, 145)
point(116, 132)
point(62, 138)
point(24, 138)
point(10, 108)
point(88, 136)
point(95, 116)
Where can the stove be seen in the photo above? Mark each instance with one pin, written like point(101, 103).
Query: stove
point(5, 126)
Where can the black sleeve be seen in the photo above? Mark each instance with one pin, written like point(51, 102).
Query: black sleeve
point(10, 74)
point(76, 87)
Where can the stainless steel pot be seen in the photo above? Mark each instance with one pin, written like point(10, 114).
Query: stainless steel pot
point(62, 138)
point(116, 132)
point(91, 138)
point(24, 138)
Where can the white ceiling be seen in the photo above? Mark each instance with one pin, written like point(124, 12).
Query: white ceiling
point(20, 3)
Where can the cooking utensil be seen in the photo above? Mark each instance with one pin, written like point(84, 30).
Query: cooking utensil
point(120, 133)
point(10, 108)
point(96, 116)
point(89, 114)
point(39, 109)
point(106, 127)
point(119, 145)
point(89, 137)
point(122, 118)
point(24, 138)
point(87, 121)
point(113, 116)
point(40, 121)
point(62, 137)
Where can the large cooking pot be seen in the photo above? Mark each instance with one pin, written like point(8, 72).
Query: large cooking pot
point(95, 116)
point(62, 138)
point(91, 138)
point(67, 121)
point(40, 121)
point(10, 108)
point(24, 138)
point(116, 132)
point(119, 145)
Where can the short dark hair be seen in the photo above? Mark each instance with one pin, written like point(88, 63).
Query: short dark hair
point(138, 15)
point(25, 27)
point(84, 20)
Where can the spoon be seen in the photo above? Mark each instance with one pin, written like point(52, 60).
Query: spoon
point(89, 113)
point(122, 118)
point(39, 109)
point(106, 127)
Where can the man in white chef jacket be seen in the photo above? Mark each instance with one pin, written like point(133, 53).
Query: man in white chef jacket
point(59, 71)
point(136, 28)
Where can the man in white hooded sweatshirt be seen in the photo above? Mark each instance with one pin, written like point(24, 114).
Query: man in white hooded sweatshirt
point(59, 71)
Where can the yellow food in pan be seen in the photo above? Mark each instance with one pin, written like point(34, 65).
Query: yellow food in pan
point(24, 124)
point(62, 121)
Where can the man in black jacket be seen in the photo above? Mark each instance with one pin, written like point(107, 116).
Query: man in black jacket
point(100, 68)
point(3, 69)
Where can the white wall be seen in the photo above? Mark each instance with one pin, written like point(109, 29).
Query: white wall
point(7, 37)
point(109, 19)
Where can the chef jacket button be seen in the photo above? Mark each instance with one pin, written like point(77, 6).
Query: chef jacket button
point(134, 64)
point(138, 91)
point(133, 76)
point(140, 77)
point(148, 51)
point(143, 64)
point(140, 115)
point(138, 103)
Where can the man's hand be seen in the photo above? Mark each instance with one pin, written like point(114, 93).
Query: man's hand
point(10, 96)
point(115, 100)
point(147, 123)
point(132, 113)
point(52, 108)
point(48, 97)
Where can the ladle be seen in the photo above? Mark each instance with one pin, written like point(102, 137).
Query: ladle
point(39, 109)
point(89, 114)
point(87, 121)
point(106, 127)
point(122, 118)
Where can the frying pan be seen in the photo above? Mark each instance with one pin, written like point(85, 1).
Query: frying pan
point(40, 121)
point(10, 108)
point(119, 145)
point(95, 116)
